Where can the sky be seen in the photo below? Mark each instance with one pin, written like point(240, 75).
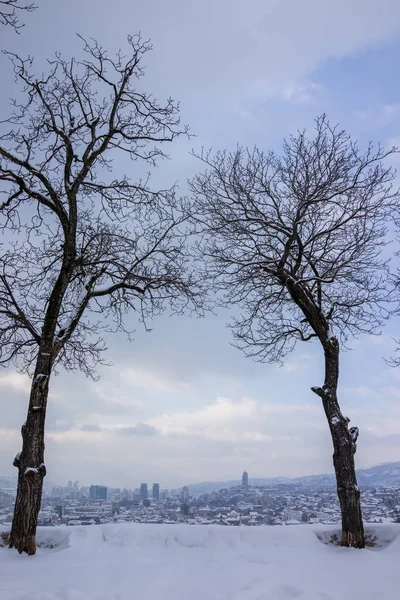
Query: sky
point(180, 405)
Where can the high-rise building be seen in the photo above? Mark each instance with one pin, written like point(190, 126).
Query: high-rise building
point(185, 494)
point(144, 494)
point(98, 492)
point(245, 479)
point(156, 491)
point(75, 490)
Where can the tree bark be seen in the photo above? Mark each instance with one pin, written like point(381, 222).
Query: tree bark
point(344, 448)
point(30, 462)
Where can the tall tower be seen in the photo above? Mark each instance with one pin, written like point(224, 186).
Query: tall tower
point(143, 491)
point(156, 491)
point(245, 480)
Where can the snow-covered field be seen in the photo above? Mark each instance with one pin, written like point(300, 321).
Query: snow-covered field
point(182, 562)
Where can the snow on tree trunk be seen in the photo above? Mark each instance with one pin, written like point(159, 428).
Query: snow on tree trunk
point(30, 462)
point(344, 448)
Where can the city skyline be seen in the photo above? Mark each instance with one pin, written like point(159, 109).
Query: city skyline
point(383, 469)
point(264, 503)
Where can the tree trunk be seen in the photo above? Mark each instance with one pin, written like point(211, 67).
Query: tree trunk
point(30, 462)
point(344, 448)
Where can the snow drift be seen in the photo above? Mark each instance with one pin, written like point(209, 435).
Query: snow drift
point(171, 562)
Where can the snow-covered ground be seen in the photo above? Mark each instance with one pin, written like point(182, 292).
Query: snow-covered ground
point(183, 562)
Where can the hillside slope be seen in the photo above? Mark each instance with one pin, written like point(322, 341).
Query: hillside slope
point(381, 475)
point(175, 562)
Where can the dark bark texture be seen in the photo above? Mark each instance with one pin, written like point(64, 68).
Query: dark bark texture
point(30, 461)
point(343, 439)
point(344, 447)
point(30, 464)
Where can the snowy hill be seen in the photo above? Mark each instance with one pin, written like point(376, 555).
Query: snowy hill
point(380, 475)
point(175, 562)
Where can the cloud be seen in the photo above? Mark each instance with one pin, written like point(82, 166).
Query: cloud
point(296, 92)
point(361, 114)
point(257, 40)
point(118, 400)
point(226, 420)
point(301, 93)
point(392, 391)
point(141, 429)
point(152, 381)
point(245, 114)
point(384, 115)
point(215, 441)
point(289, 366)
point(61, 425)
point(362, 390)
point(381, 420)
point(16, 381)
point(390, 112)
point(91, 428)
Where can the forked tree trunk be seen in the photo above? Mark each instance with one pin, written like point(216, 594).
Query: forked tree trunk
point(30, 462)
point(344, 448)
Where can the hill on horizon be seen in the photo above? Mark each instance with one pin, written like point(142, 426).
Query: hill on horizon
point(385, 474)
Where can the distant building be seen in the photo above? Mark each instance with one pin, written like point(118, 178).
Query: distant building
point(57, 491)
point(156, 491)
point(144, 494)
point(245, 479)
point(268, 501)
point(185, 494)
point(75, 490)
point(98, 492)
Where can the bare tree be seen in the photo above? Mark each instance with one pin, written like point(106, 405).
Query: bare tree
point(295, 240)
point(9, 13)
point(83, 243)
